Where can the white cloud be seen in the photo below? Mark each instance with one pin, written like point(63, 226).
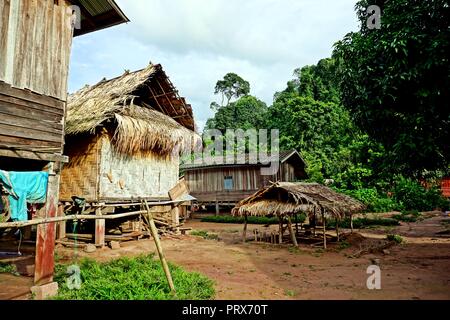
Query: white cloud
point(199, 41)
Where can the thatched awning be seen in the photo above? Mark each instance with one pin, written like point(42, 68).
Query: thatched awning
point(288, 198)
point(145, 108)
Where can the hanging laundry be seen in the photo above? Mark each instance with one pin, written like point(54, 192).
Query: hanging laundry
point(24, 187)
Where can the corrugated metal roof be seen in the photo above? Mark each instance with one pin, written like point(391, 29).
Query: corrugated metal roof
point(96, 7)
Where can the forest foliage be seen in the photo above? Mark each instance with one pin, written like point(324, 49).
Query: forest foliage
point(374, 117)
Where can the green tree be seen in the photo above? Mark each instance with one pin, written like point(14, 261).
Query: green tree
point(395, 82)
point(246, 113)
point(232, 86)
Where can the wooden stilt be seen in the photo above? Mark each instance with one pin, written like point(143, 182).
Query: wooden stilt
point(291, 231)
point(99, 229)
point(61, 226)
point(217, 208)
point(46, 233)
point(244, 233)
point(351, 223)
point(324, 230)
point(280, 232)
point(296, 225)
point(337, 229)
point(314, 222)
point(154, 232)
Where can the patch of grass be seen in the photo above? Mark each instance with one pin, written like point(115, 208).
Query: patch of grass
point(251, 219)
point(204, 234)
point(140, 278)
point(361, 223)
point(395, 237)
point(344, 245)
point(8, 268)
point(408, 216)
point(289, 293)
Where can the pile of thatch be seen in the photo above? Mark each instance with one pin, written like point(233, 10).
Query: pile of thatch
point(288, 198)
point(139, 125)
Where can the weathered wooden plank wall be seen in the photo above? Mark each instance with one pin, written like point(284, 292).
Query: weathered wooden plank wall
point(35, 45)
point(29, 121)
point(207, 185)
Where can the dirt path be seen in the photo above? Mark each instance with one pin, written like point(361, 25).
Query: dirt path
point(418, 269)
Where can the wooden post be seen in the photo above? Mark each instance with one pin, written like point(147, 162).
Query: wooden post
point(337, 229)
point(176, 219)
point(46, 233)
point(244, 233)
point(217, 208)
point(351, 223)
point(291, 231)
point(99, 229)
point(296, 225)
point(61, 226)
point(154, 232)
point(324, 230)
point(280, 233)
point(314, 225)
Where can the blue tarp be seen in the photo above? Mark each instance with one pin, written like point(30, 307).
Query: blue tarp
point(25, 187)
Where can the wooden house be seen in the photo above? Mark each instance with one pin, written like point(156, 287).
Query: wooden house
point(229, 183)
point(123, 139)
point(35, 46)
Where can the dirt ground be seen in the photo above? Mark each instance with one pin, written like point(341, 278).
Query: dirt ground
point(417, 269)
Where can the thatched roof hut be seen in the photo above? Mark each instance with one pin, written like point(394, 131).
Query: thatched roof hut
point(123, 137)
point(284, 199)
point(288, 198)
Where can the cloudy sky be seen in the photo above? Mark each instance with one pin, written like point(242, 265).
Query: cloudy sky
point(199, 41)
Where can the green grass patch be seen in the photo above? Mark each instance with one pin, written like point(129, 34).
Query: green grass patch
point(361, 223)
point(408, 216)
point(250, 219)
point(204, 234)
point(140, 278)
point(394, 237)
point(8, 268)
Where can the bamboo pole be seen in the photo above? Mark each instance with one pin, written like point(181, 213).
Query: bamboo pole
point(154, 232)
point(291, 231)
point(20, 224)
point(244, 233)
point(351, 223)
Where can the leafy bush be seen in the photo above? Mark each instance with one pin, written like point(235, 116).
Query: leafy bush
point(250, 219)
point(8, 268)
point(413, 196)
point(140, 278)
point(374, 201)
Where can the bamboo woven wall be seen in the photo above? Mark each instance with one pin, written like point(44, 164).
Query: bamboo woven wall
point(146, 176)
point(80, 176)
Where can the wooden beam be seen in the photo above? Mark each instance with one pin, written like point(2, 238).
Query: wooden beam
point(33, 155)
point(324, 229)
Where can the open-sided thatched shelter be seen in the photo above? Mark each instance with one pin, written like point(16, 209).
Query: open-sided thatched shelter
point(284, 199)
point(123, 136)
